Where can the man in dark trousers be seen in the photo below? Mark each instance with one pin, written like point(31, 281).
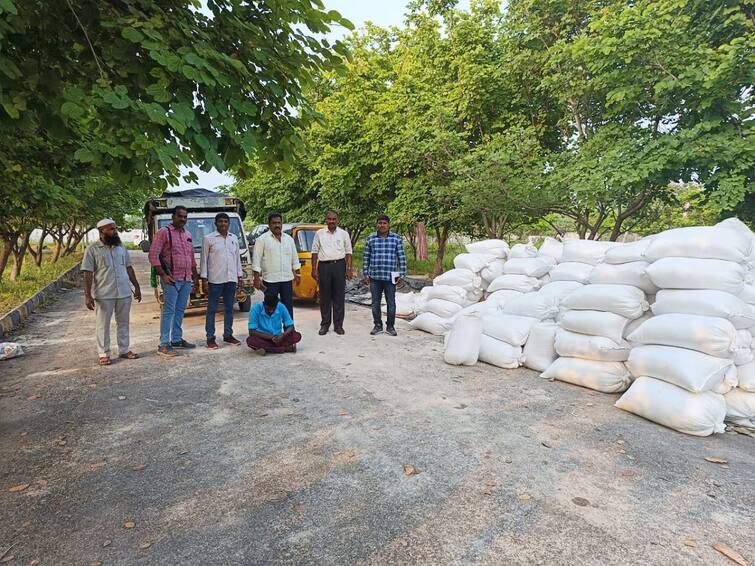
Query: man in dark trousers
point(331, 266)
point(384, 266)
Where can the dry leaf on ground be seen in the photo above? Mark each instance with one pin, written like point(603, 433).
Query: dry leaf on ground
point(95, 563)
point(410, 470)
point(145, 545)
point(690, 543)
point(8, 558)
point(42, 482)
point(525, 497)
point(731, 554)
point(628, 473)
point(581, 501)
point(139, 468)
point(716, 460)
point(128, 525)
point(107, 543)
point(97, 465)
point(20, 487)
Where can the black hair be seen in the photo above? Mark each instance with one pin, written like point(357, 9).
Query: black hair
point(274, 215)
point(330, 211)
point(383, 217)
point(271, 301)
point(179, 207)
point(222, 215)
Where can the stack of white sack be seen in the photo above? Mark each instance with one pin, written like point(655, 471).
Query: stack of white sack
point(590, 339)
point(685, 357)
point(499, 249)
point(525, 271)
point(578, 259)
point(406, 304)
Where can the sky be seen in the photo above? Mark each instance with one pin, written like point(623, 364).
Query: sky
point(383, 13)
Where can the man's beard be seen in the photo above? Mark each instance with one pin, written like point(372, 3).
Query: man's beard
point(114, 240)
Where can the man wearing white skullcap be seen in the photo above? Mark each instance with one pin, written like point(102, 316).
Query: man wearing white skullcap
point(108, 276)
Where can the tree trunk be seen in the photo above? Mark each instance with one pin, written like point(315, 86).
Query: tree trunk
point(59, 234)
point(421, 254)
point(5, 253)
point(411, 237)
point(442, 237)
point(19, 253)
point(36, 253)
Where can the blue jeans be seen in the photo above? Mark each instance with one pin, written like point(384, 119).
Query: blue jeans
point(284, 290)
point(175, 299)
point(228, 292)
point(377, 288)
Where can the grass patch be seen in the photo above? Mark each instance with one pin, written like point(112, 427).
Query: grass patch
point(416, 267)
point(33, 279)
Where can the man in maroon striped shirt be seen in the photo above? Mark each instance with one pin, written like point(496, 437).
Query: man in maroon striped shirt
point(172, 256)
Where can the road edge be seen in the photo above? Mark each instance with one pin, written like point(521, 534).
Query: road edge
point(15, 318)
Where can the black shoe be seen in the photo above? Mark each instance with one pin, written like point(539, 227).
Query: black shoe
point(183, 344)
point(392, 331)
point(376, 330)
point(340, 331)
point(323, 331)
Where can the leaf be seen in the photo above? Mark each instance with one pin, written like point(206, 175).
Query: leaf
point(95, 563)
point(731, 554)
point(410, 470)
point(84, 155)
point(690, 543)
point(525, 497)
point(145, 545)
point(139, 468)
point(128, 525)
point(97, 465)
point(19, 487)
point(107, 543)
point(716, 460)
point(72, 110)
point(42, 482)
point(581, 501)
point(8, 558)
point(8, 6)
point(132, 34)
point(10, 109)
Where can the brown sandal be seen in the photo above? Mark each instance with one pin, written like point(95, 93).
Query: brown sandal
point(129, 355)
point(105, 361)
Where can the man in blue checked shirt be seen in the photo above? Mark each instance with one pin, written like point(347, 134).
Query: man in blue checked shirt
point(384, 266)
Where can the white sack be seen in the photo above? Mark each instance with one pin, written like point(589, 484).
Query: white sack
point(708, 334)
point(473, 262)
point(572, 271)
point(746, 377)
point(740, 407)
point(500, 298)
point(405, 304)
point(632, 273)
point(586, 251)
point(748, 294)
point(704, 242)
point(699, 414)
point(705, 302)
point(692, 273)
point(559, 289)
point(628, 253)
point(9, 350)
point(624, 300)
point(529, 266)
point(459, 278)
point(608, 377)
point(595, 323)
point(743, 356)
point(498, 248)
point(540, 349)
point(552, 248)
point(691, 370)
point(442, 308)
point(522, 250)
point(432, 323)
point(499, 353)
point(456, 295)
point(535, 305)
point(492, 270)
point(633, 325)
point(462, 343)
point(598, 348)
point(521, 283)
point(508, 327)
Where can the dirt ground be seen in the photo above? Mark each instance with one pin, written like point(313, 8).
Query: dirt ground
point(224, 457)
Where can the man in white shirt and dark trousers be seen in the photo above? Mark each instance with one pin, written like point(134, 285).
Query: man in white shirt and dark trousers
point(276, 262)
point(220, 270)
point(331, 266)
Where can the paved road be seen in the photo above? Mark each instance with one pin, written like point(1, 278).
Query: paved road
point(226, 458)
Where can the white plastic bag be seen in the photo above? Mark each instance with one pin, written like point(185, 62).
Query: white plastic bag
point(521, 283)
point(748, 294)
point(595, 323)
point(473, 262)
point(559, 289)
point(508, 327)
point(522, 250)
point(500, 298)
point(692, 273)
point(432, 323)
point(740, 407)
point(743, 356)
point(598, 348)
point(462, 343)
point(691, 370)
point(529, 266)
point(459, 278)
point(633, 325)
point(632, 273)
point(699, 414)
point(492, 270)
point(499, 353)
point(586, 251)
point(627, 253)
point(498, 248)
point(540, 349)
point(705, 302)
point(704, 242)
point(608, 377)
point(708, 334)
point(535, 305)
point(405, 304)
point(624, 300)
point(442, 308)
point(551, 248)
point(456, 295)
point(572, 271)
point(10, 350)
